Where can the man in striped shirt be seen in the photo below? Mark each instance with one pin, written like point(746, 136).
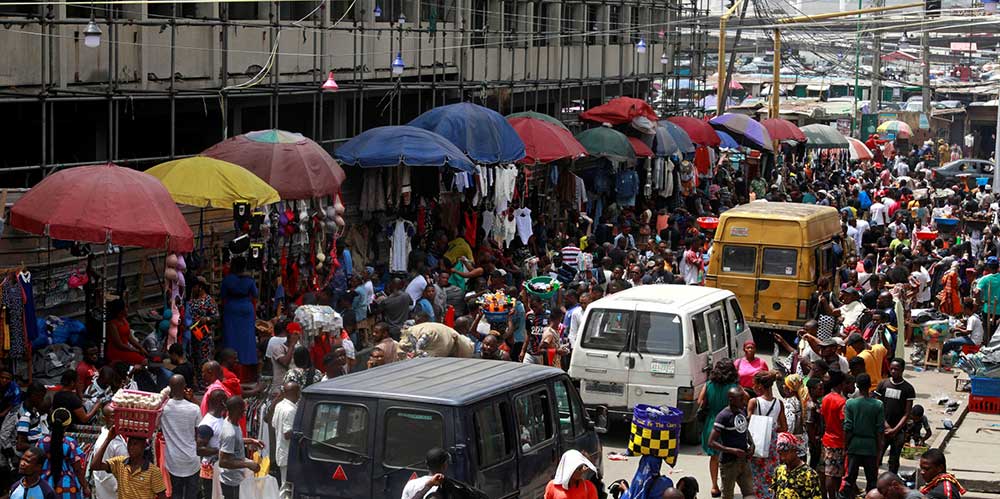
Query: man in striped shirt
point(31, 426)
point(570, 254)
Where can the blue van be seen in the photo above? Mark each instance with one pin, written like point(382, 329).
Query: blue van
point(506, 425)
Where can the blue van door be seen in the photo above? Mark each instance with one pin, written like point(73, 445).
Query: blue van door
point(538, 447)
point(494, 452)
point(406, 433)
point(575, 432)
point(332, 448)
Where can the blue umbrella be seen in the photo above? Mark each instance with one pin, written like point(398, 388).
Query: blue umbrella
point(680, 137)
point(728, 142)
point(388, 146)
point(483, 134)
point(663, 144)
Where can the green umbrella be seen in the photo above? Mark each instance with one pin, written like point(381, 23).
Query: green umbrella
point(824, 137)
point(537, 116)
point(607, 143)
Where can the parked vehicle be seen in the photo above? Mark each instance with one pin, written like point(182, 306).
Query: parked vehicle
point(771, 255)
point(948, 174)
point(654, 345)
point(505, 424)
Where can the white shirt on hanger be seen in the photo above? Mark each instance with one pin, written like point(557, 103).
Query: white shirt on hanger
point(522, 218)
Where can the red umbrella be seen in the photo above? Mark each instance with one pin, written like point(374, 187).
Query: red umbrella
point(780, 129)
point(620, 110)
point(104, 203)
point(545, 142)
point(701, 133)
point(641, 149)
point(295, 166)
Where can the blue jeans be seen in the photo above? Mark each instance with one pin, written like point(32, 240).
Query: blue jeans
point(956, 344)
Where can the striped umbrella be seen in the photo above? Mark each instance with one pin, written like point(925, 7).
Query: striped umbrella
point(859, 151)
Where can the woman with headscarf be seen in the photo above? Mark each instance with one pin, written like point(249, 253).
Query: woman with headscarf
point(794, 395)
point(793, 479)
point(64, 463)
point(748, 366)
point(572, 479)
point(713, 398)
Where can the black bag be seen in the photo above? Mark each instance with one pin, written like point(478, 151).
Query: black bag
point(239, 245)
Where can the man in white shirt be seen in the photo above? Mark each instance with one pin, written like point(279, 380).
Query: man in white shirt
point(105, 484)
point(209, 431)
point(284, 415)
point(861, 226)
point(232, 450)
point(437, 464)
point(279, 351)
point(878, 214)
point(178, 422)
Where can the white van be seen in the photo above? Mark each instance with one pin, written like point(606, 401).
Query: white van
point(654, 345)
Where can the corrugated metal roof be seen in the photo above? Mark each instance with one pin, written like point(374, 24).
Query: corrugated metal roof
point(439, 380)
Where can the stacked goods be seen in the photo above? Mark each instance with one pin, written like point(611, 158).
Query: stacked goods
point(136, 413)
point(543, 287)
point(496, 305)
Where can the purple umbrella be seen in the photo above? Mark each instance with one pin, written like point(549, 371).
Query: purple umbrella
point(744, 129)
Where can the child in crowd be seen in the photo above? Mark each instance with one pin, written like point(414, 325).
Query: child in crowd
point(917, 425)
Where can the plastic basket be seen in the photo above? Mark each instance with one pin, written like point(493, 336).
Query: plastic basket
point(986, 387)
point(708, 223)
point(656, 431)
point(927, 235)
point(985, 405)
point(135, 422)
point(553, 287)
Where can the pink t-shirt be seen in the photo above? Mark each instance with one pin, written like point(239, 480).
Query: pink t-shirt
point(746, 369)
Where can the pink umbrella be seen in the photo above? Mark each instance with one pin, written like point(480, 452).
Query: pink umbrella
point(859, 151)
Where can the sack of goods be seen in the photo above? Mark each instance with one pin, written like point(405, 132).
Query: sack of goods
point(656, 431)
point(432, 339)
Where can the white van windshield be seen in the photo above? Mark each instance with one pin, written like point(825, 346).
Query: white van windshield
point(651, 332)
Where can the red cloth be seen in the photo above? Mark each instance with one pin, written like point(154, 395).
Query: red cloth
point(113, 354)
point(702, 160)
point(471, 228)
point(232, 382)
point(620, 110)
point(85, 371)
point(832, 411)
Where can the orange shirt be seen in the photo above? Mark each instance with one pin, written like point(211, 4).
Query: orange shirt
point(586, 490)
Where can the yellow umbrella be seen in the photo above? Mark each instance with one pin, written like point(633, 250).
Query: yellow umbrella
point(208, 182)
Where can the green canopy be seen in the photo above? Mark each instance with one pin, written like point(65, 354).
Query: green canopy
point(537, 116)
point(823, 137)
point(607, 143)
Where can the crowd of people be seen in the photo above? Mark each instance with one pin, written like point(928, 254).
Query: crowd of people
point(838, 402)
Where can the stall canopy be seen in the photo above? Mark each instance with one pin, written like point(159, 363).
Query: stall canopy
point(782, 130)
point(728, 142)
point(537, 116)
point(104, 204)
point(620, 110)
point(895, 127)
point(663, 144)
point(859, 151)
point(545, 142)
point(700, 132)
point(212, 183)
point(823, 137)
point(745, 130)
point(389, 146)
point(640, 148)
point(482, 134)
point(606, 142)
point(684, 144)
point(295, 166)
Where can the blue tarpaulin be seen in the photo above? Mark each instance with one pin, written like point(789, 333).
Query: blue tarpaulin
point(388, 146)
point(483, 134)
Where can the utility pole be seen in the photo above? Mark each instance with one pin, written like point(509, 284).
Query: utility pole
point(925, 93)
point(720, 90)
point(875, 91)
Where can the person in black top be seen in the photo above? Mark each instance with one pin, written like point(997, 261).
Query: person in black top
point(181, 365)
point(68, 397)
point(897, 396)
point(730, 438)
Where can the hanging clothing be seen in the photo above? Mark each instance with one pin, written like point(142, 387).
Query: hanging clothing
point(506, 178)
point(488, 222)
point(581, 194)
point(402, 230)
point(471, 227)
point(627, 187)
point(30, 321)
point(702, 160)
point(522, 218)
point(373, 196)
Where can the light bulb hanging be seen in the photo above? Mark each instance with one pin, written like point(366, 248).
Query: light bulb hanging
point(664, 59)
point(377, 11)
point(92, 35)
point(398, 65)
point(330, 85)
point(641, 46)
point(402, 19)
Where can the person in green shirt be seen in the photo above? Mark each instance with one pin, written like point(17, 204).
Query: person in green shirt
point(988, 291)
point(864, 419)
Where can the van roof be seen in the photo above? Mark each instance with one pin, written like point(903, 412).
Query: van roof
point(678, 295)
point(767, 223)
point(436, 380)
point(780, 211)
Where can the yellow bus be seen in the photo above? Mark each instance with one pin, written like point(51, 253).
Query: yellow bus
point(770, 256)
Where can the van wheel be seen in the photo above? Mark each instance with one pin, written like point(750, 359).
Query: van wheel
point(691, 433)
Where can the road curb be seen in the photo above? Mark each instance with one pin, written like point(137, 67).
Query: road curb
point(941, 441)
point(985, 486)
